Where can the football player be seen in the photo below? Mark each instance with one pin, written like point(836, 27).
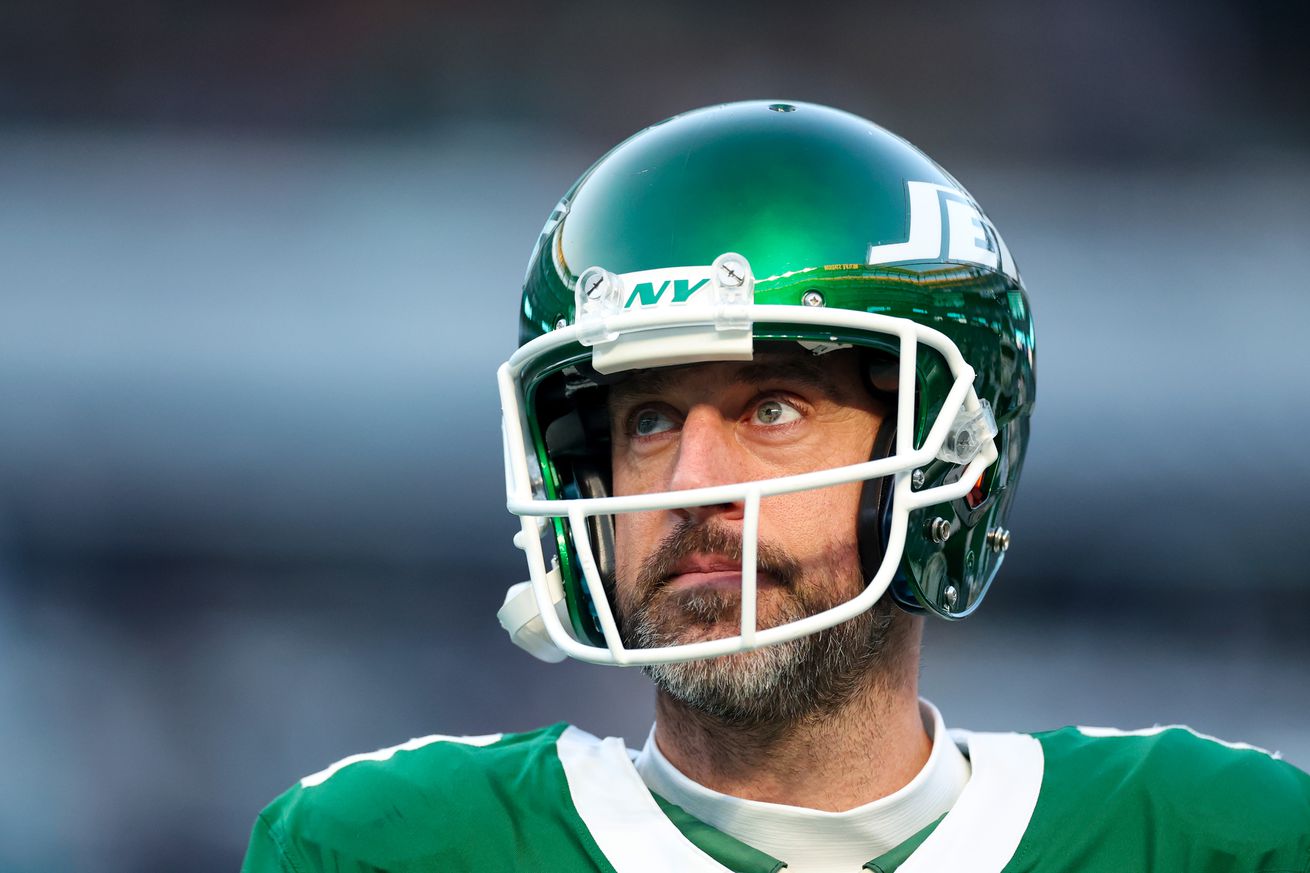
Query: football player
point(769, 411)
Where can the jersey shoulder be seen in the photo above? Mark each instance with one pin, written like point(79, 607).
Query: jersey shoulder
point(438, 802)
point(1174, 786)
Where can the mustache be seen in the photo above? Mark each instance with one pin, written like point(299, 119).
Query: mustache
point(689, 539)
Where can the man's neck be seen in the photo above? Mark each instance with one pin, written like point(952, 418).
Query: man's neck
point(868, 748)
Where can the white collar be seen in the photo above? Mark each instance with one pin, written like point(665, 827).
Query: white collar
point(979, 835)
point(814, 840)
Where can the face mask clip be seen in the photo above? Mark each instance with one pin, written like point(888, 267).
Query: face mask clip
point(970, 431)
point(598, 296)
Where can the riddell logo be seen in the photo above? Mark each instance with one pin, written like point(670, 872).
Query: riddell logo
point(970, 236)
point(648, 294)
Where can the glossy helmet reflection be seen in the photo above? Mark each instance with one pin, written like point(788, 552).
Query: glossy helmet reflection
point(724, 227)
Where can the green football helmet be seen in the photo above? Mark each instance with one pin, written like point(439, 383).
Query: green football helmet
point(722, 228)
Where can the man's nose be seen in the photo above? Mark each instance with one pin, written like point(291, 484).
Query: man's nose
point(708, 455)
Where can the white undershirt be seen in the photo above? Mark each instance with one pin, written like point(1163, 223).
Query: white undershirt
point(810, 840)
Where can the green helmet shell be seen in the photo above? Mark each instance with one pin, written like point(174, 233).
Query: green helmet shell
point(816, 200)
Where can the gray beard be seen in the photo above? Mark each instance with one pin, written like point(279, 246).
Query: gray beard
point(789, 683)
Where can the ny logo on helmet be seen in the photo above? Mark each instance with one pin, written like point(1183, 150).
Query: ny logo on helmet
point(647, 295)
point(970, 236)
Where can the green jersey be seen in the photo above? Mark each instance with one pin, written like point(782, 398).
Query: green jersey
point(1077, 799)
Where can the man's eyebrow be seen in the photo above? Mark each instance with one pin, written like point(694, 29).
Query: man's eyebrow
point(804, 371)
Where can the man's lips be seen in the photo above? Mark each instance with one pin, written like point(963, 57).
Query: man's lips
point(711, 571)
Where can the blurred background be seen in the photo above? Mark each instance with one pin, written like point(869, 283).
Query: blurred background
point(259, 261)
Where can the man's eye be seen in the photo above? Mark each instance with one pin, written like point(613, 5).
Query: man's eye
point(772, 412)
point(649, 422)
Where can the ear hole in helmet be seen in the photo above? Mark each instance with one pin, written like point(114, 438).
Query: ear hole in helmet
point(979, 500)
point(978, 493)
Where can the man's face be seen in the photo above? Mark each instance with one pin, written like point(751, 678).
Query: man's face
point(679, 571)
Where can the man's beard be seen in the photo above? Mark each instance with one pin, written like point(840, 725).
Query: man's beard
point(778, 685)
